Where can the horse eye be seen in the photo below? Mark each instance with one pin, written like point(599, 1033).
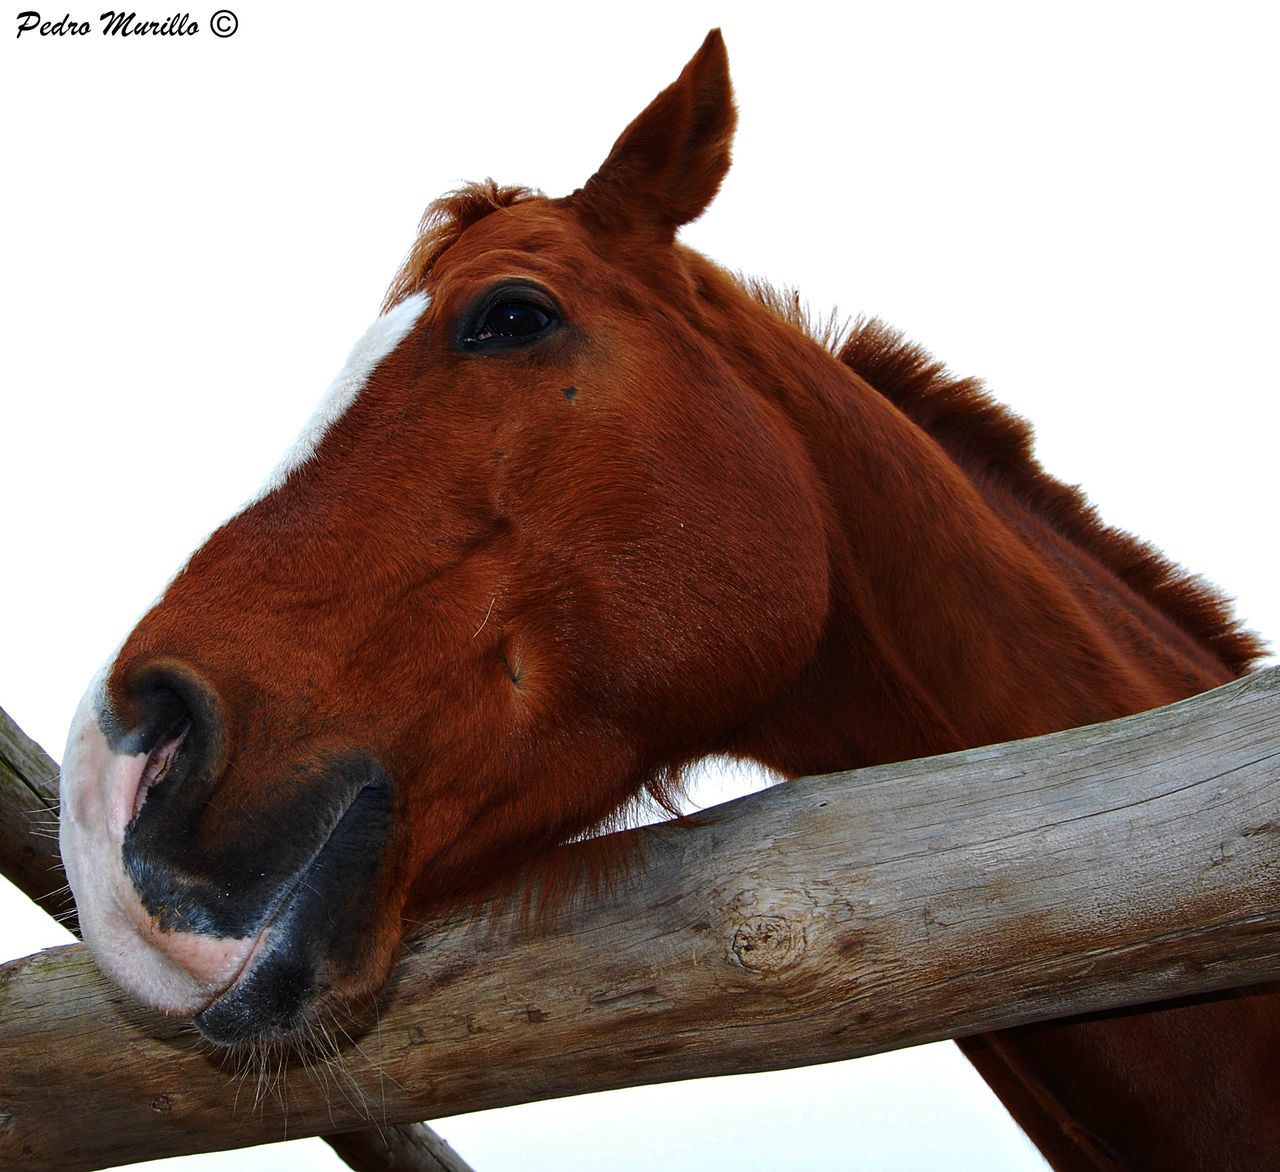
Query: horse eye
point(518, 320)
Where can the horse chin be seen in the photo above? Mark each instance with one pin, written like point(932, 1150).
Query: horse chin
point(281, 994)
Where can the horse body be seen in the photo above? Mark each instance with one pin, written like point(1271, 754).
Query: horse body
point(586, 510)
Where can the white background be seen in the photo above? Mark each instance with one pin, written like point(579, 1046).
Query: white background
point(1075, 202)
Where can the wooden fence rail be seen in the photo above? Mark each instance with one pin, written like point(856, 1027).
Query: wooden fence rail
point(831, 917)
point(29, 856)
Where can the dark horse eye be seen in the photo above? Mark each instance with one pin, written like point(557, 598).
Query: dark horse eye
point(514, 321)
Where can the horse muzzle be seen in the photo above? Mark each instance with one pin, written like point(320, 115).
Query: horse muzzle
point(240, 908)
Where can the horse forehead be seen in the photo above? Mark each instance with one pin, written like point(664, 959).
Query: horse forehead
point(541, 235)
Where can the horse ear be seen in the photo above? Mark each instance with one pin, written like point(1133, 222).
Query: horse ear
point(667, 165)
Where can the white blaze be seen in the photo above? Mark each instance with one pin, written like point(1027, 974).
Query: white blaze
point(379, 340)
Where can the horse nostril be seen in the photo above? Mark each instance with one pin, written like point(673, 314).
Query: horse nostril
point(174, 717)
point(162, 712)
point(159, 763)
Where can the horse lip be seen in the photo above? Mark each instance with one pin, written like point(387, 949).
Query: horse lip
point(280, 907)
point(262, 942)
point(259, 945)
point(246, 967)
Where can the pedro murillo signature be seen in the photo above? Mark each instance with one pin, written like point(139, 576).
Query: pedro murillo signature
point(126, 24)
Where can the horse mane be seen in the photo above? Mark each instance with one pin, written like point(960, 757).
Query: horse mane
point(985, 437)
point(982, 435)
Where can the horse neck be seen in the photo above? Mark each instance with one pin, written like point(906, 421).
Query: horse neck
point(958, 616)
point(961, 615)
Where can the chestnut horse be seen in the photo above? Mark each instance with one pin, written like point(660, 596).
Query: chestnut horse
point(581, 509)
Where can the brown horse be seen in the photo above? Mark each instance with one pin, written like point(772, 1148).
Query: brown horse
point(582, 509)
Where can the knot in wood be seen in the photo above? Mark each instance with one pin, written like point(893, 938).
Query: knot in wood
point(162, 1103)
point(768, 944)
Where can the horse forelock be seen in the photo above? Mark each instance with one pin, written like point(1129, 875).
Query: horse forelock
point(444, 221)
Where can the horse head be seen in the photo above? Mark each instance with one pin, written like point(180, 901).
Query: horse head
point(549, 538)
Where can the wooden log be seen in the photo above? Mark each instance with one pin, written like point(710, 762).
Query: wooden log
point(1101, 867)
point(409, 1148)
point(29, 859)
point(29, 822)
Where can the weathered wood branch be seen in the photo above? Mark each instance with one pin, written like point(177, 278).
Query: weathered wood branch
point(1106, 866)
point(29, 859)
point(28, 821)
point(405, 1148)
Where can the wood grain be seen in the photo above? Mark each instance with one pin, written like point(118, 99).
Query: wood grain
point(831, 917)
